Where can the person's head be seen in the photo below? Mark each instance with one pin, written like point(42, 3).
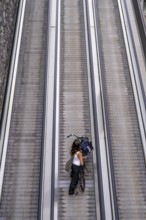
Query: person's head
point(75, 146)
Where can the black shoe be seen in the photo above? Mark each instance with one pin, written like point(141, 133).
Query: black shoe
point(73, 194)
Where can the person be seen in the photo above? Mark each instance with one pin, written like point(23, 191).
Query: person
point(76, 166)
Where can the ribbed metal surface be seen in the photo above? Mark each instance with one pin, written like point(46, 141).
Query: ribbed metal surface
point(21, 181)
point(128, 158)
point(74, 110)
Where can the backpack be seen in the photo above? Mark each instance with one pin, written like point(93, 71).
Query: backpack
point(86, 146)
point(68, 164)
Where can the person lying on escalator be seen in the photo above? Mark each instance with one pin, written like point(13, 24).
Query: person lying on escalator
point(76, 166)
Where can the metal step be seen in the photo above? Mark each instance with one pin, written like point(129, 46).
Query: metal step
point(20, 192)
point(125, 139)
point(74, 111)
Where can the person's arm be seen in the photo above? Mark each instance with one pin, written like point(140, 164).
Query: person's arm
point(80, 158)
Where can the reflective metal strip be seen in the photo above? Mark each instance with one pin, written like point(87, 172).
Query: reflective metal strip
point(46, 204)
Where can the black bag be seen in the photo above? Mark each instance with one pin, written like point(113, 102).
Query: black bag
point(68, 164)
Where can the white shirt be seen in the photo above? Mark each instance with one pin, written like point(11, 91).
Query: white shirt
point(76, 160)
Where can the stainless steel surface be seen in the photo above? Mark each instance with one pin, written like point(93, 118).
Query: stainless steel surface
point(20, 193)
point(21, 180)
point(103, 186)
point(135, 73)
point(46, 183)
point(74, 113)
point(128, 157)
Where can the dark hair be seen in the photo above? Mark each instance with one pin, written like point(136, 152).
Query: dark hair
point(75, 147)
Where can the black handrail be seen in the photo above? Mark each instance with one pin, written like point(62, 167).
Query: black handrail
point(141, 24)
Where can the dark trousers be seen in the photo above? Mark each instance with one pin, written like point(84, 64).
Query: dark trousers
point(74, 178)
